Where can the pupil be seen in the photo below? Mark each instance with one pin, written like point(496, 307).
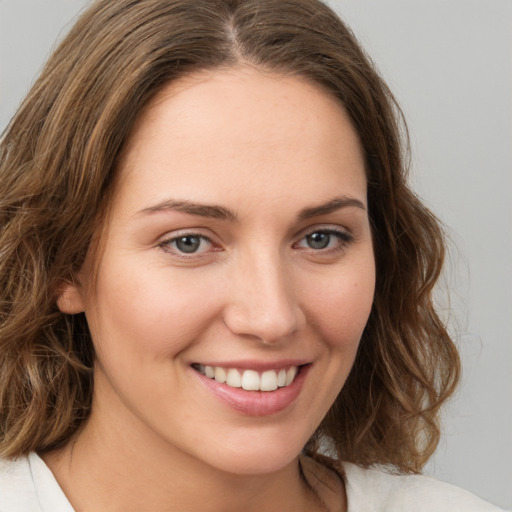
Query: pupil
point(188, 243)
point(318, 240)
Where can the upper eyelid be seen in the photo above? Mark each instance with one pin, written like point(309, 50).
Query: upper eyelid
point(332, 228)
point(179, 233)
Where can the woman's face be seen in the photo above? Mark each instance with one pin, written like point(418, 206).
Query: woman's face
point(238, 248)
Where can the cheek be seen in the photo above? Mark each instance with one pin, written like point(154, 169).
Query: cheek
point(146, 314)
point(341, 307)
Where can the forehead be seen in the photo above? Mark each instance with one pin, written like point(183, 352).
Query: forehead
point(249, 130)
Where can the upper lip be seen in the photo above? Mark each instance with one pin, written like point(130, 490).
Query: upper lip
point(257, 365)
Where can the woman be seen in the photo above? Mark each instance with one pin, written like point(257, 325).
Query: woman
point(216, 285)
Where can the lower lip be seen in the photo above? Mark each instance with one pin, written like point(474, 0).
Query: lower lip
point(257, 403)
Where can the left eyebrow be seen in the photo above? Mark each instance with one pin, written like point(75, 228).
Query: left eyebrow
point(198, 209)
point(331, 206)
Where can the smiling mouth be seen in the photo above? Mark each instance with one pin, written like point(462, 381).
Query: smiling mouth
point(250, 380)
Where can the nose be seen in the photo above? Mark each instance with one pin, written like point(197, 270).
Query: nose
point(263, 302)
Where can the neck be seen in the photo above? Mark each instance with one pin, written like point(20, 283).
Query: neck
point(106, 471)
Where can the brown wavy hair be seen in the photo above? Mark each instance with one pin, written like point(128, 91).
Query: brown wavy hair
point(57, 166)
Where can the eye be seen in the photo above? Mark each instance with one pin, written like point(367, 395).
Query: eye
point(325, 239)
point(187, 244)
point(320, 240)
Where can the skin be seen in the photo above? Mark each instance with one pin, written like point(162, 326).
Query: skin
point(268, 149)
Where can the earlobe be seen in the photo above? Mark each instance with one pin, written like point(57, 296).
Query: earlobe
point(69, 299)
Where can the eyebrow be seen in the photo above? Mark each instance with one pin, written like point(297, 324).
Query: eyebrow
point(198, 209)
point(222, 213)
point(331, 206)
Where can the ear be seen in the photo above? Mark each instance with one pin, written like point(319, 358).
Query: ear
point(69, 299)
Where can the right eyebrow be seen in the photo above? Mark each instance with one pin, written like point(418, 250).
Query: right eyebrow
point(192, 208)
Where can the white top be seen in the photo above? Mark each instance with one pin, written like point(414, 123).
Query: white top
point(371, 490)
point(28, 485)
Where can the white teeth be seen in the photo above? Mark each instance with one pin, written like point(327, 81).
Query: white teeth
point(290, 375)
point(268, 381)
point(220, 374)
point(234, 379)
point(250, 380)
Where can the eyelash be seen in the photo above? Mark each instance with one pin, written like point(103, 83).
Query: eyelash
point(344, 238)
point(165, 244)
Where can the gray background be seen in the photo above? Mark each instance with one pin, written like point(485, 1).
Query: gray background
point(449, 62)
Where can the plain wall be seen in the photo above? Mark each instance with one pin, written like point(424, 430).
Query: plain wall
point(449, 63)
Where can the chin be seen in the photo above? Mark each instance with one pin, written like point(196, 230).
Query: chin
point(258, 455)
point(256, 464)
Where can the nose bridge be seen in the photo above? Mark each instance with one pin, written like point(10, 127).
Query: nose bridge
point(263, 299)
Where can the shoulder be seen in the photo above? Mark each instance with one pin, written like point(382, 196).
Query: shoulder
point(375, 490)
point(17, 490)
